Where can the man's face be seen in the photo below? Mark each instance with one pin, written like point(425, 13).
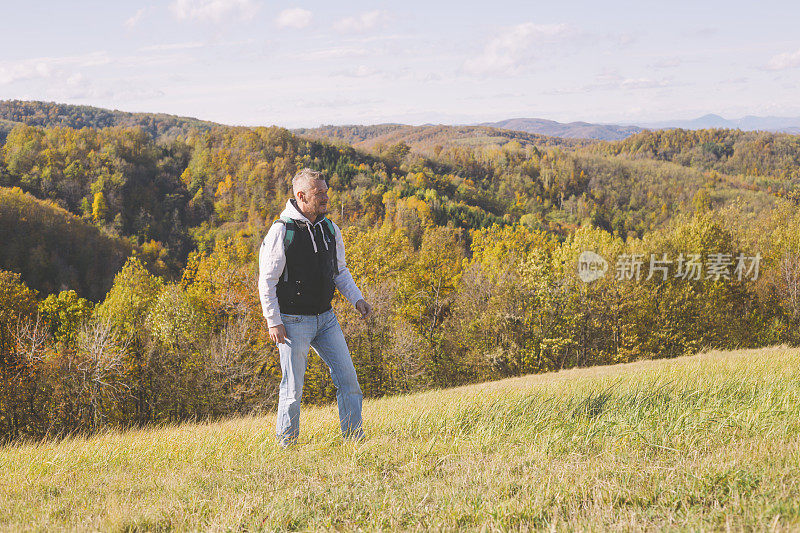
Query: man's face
point(314, 202)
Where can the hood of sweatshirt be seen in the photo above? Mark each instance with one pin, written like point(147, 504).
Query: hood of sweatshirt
point(291, 210)
point(294, 213)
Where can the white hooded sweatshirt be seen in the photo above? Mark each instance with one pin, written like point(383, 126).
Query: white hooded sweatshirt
point(272, 260)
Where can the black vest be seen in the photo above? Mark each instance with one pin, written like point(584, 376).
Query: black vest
point(306, 286)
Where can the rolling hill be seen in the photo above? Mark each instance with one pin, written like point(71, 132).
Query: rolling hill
point(49, 114)
point(53, 249)
point(571, 130)
point(425, 139)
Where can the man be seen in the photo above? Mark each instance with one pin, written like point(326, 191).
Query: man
point(301, 263)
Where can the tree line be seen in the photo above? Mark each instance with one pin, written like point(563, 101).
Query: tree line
point(458, 307)
point(469, 254)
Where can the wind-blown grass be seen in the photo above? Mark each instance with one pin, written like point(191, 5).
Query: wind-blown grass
point(705, 442)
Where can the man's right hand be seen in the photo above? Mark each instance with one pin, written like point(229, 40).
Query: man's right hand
point(277, 334)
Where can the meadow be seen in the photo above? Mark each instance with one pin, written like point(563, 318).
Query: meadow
point(706, 442)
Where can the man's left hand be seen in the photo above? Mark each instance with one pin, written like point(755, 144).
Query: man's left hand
point(364, 308)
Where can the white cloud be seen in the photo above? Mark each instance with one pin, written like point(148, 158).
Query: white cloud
point(134, 20)
point(24, 71)
point(508, 53)
point(335, 53)
point(626, 39)
point(671, 62)
point(294, 18)
point(75, 79)
point(334, 103)
point(736, 81)
point(784, 61)
point(702, 33)
point(214, 10)
point(359, 71)
point(611, 79)
point(47, 67)
point(64, 79)
point(642, 83)
point(361, 23)
point(120, 90)
point(172, 46)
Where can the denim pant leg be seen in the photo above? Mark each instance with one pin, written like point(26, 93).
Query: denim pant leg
point(300, 330)
point(332, 348)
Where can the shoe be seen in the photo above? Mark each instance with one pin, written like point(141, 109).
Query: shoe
point(285, 442)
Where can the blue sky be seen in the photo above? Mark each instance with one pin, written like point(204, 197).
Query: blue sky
point(254, 62)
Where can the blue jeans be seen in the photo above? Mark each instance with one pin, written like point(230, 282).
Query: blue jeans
point(324, 334)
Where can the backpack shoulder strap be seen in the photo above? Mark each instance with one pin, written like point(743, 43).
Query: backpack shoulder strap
point(329, 225)
point(288, 237)
point(291, 227)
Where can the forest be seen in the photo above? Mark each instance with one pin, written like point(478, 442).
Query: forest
point(128, 257)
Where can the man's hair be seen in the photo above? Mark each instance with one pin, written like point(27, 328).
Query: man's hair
point(304, 180)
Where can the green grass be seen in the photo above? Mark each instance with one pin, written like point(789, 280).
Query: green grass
point(708, 442)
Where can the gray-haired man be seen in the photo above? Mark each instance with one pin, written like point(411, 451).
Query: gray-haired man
point(301, 263)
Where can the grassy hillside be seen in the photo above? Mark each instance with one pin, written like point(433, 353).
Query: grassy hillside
point(703, 442)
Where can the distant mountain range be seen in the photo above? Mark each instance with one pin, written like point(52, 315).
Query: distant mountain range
point(748, 123)
point(523, 130)
point(615, 132)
